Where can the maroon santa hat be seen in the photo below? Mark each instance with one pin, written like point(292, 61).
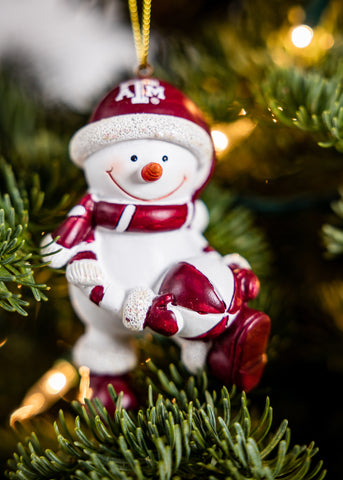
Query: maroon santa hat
point(146, 108)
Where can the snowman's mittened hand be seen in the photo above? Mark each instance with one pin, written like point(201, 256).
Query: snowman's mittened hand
point(136, 307)
point(161, 318)
point(249, 283)
point(84, 272)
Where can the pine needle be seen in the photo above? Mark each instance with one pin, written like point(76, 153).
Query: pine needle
point(168, 439)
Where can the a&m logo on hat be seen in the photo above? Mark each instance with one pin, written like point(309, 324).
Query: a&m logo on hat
point(141, 91)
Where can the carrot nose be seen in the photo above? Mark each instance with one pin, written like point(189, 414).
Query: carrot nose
point(152, 172)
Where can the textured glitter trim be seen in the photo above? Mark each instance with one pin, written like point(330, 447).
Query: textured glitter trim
point(97, 135)
point(136, 308)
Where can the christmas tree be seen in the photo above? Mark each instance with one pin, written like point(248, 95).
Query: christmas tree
point(267, 75)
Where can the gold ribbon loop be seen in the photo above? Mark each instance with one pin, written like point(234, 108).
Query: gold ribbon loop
point(141, 36)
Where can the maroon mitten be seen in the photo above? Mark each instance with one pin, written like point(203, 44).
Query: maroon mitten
point(99, 385)
point(237, 356)
point(159, 318)
point(249, 283)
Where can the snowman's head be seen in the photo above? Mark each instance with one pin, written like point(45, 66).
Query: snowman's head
point(142, 171)
point(151, 141)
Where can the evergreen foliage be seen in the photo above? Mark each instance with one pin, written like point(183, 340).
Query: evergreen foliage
point(187, 430)
point(232, 228)
point(33, 198)
point(184, 432)
point(16, 258)
point(308, 101)
point(333, 234)
point(34, 142)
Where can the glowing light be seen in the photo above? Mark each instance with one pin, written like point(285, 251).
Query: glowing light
point(220, 140)
point(296, 15)
point(227, 136)
point(84, 389)
point(3, 342)
point(56, 382)
point(326, 41)
point(302, 36)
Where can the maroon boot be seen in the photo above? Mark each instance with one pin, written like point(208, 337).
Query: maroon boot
point(237, 356)
point(99, 385)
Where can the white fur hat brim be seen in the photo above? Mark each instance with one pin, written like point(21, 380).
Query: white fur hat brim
point(136, 126)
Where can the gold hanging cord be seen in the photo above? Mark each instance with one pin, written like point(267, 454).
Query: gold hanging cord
point(141, 36)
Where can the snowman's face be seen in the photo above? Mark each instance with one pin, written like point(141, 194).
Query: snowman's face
point(142, 171)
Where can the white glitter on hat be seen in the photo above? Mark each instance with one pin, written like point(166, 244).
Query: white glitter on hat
point(97, 135)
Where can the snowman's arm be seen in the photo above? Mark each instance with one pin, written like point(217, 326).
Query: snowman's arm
point(200, 217)
point(71, 244)
point(60, 246)
point(158, 312)
point(55, 254)
point(234, 260)
point(84, 271)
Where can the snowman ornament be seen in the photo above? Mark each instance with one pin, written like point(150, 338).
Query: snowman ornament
point(134, 251)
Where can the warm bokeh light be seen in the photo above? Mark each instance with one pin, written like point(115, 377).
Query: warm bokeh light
point(302, 36)
point(84, 389)
point(220, 140)
point(326, 40)
point(56, 382)
point(227, 136)
point(296, 15)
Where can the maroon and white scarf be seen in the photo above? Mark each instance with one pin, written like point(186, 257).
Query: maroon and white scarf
point(142, 218)
point(79, 226)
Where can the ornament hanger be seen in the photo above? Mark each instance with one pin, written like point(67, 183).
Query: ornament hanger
point(141, 35)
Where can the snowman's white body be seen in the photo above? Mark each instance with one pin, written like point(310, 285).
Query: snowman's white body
point(128, 260)
point(135, 259)
point(125, 260)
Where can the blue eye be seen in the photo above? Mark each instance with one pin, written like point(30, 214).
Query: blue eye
point(134, 158)
point(164, 158)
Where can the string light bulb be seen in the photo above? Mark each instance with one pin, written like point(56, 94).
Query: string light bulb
point(301, 36)
point(56, 382)
point(227, 136)
point(220, 140)
point(52, 386)
point(297, 42)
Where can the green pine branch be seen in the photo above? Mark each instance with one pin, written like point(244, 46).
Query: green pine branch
point(34, 140)
point(309, 101)
point(184, 432)
point(333, 234)
point(17, 262)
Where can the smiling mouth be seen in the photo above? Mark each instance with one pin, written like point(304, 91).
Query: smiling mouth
point(109, 172)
